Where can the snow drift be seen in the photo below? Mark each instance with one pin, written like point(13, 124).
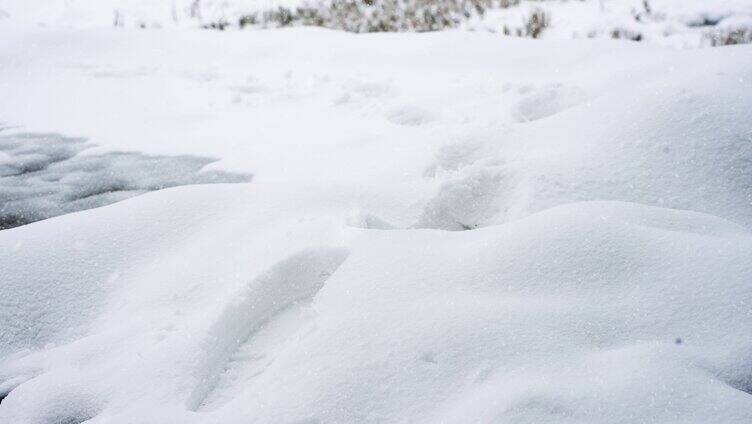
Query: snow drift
point(589, 312)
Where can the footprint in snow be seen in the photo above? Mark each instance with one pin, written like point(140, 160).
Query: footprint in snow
point(547, 101)
point(409, 115)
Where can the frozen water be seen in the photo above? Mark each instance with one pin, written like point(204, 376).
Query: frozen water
point(45, 175)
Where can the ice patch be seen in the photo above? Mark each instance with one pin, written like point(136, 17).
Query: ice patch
point(45, 175)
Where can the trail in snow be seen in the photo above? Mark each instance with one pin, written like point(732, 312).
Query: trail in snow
point(295, 279)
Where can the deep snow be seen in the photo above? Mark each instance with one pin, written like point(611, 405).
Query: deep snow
point(444, 227)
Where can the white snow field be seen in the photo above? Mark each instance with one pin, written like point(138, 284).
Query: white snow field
point(450, 227)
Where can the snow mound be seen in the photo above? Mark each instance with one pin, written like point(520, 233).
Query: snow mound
point(681, 142)
point(685, 146)
point(580, 313)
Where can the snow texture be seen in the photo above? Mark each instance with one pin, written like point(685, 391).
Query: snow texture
point(444, 227)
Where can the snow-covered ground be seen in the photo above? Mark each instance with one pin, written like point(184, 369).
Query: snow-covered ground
point(441, 227)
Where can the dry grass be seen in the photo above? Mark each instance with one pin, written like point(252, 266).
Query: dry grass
point(372, 15)
point(727, 37)
point(533, 25)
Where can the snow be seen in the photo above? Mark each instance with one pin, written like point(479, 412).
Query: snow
point(570, 314)
point(442, 227)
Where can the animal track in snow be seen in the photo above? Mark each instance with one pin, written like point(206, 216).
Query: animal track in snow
point(123, 73)
point(409, 116)
point(368, 221)
point(372, 89)
point(453, 157)
point(251, 86)
point(293, 280)
point(467, 201)
point(547, 101)
point(360, 91)
point(475, 187)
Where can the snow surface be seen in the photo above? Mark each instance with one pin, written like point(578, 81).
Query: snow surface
point(444, 227)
